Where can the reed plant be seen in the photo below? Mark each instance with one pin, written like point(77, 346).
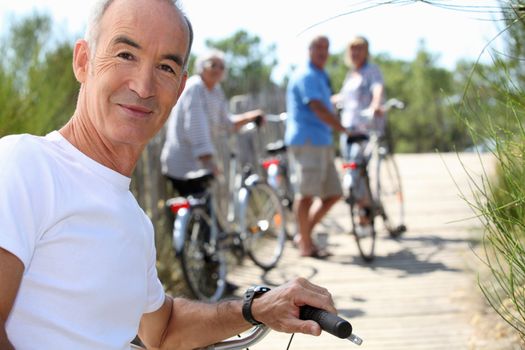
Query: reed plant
point(500, 203)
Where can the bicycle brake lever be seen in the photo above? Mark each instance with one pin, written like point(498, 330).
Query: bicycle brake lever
point(330, 323)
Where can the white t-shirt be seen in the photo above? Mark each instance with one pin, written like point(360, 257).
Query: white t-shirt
point(86, 245)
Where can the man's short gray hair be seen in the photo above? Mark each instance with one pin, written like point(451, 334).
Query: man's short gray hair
point(200, 62)
point(97, 12)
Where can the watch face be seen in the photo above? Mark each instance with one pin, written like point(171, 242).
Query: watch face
point(260, 289)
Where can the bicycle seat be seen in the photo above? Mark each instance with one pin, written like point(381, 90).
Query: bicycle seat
point(198, 180)
point(357, 138)
point(276, 147)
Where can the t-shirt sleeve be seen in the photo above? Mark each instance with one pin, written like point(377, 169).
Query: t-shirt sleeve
point(22, 207)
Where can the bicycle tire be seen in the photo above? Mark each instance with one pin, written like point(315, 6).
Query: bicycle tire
point(389, 196)
point(203, 266)
point(263, 228)
point(365, 243)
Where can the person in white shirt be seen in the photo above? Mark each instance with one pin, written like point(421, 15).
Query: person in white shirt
point(77, 259)
point(363, 91)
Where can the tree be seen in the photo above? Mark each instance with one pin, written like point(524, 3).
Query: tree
point(249, 65)
point(37, 86)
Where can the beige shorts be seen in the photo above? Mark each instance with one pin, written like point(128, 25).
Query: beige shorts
point(315, 171)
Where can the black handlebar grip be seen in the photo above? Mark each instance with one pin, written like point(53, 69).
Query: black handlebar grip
point(329, 322)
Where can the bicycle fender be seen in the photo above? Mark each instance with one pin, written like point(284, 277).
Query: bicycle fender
point(179, 227)
point(348, 180)
point(252, 180)
point(243, 197)
point(273, 176)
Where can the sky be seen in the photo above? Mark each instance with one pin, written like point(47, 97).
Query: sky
point(455, 30)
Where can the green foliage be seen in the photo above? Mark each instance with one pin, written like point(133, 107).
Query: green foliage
point(497, 112)
point(501, 204)
point(428, 121)
point(337, 70)
point(37, 86)
point(249, 65)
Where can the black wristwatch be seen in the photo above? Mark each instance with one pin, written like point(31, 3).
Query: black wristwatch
point(250, 294)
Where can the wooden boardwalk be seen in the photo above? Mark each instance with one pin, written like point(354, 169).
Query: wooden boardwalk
point(420, 292)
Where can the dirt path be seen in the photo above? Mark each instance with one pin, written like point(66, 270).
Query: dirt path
point(420, 292)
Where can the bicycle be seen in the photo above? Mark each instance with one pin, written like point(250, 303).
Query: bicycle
point(330, 323)
point(373, 176)
point(276, 168)
point(255, 226)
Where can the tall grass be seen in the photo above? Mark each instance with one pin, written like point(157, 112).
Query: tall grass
point(500, 203)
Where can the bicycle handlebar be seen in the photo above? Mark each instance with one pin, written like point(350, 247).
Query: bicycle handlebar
point(388, 105)
point(329, 322)
point(276, 118)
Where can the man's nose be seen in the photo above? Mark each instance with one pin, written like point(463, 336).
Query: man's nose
point(144, 82)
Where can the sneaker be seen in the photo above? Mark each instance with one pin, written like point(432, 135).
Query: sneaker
point(363, 231)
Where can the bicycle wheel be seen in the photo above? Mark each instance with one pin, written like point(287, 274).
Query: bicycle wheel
point(203, 265)
point(263, 225)
point(389, 196)
point(365, 240)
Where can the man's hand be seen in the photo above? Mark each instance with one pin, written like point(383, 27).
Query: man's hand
point(326, 115)
point(279, 308)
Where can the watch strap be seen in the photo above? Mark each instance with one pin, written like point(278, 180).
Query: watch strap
point(250, 294)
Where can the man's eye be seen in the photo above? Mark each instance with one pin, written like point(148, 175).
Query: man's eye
point(125, 55)
point(167, 68)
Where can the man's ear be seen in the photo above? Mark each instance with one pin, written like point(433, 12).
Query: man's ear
point(81, 60)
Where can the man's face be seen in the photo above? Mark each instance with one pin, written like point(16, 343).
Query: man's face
point(136, 74)
point(213, 70)
point(319, 52)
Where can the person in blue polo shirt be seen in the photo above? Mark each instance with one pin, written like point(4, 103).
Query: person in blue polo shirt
point(309, 126)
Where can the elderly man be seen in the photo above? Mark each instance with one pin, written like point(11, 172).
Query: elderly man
point(309, 126)
point(77, 255)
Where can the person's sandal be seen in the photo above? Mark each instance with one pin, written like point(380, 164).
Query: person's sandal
point(318, 254)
